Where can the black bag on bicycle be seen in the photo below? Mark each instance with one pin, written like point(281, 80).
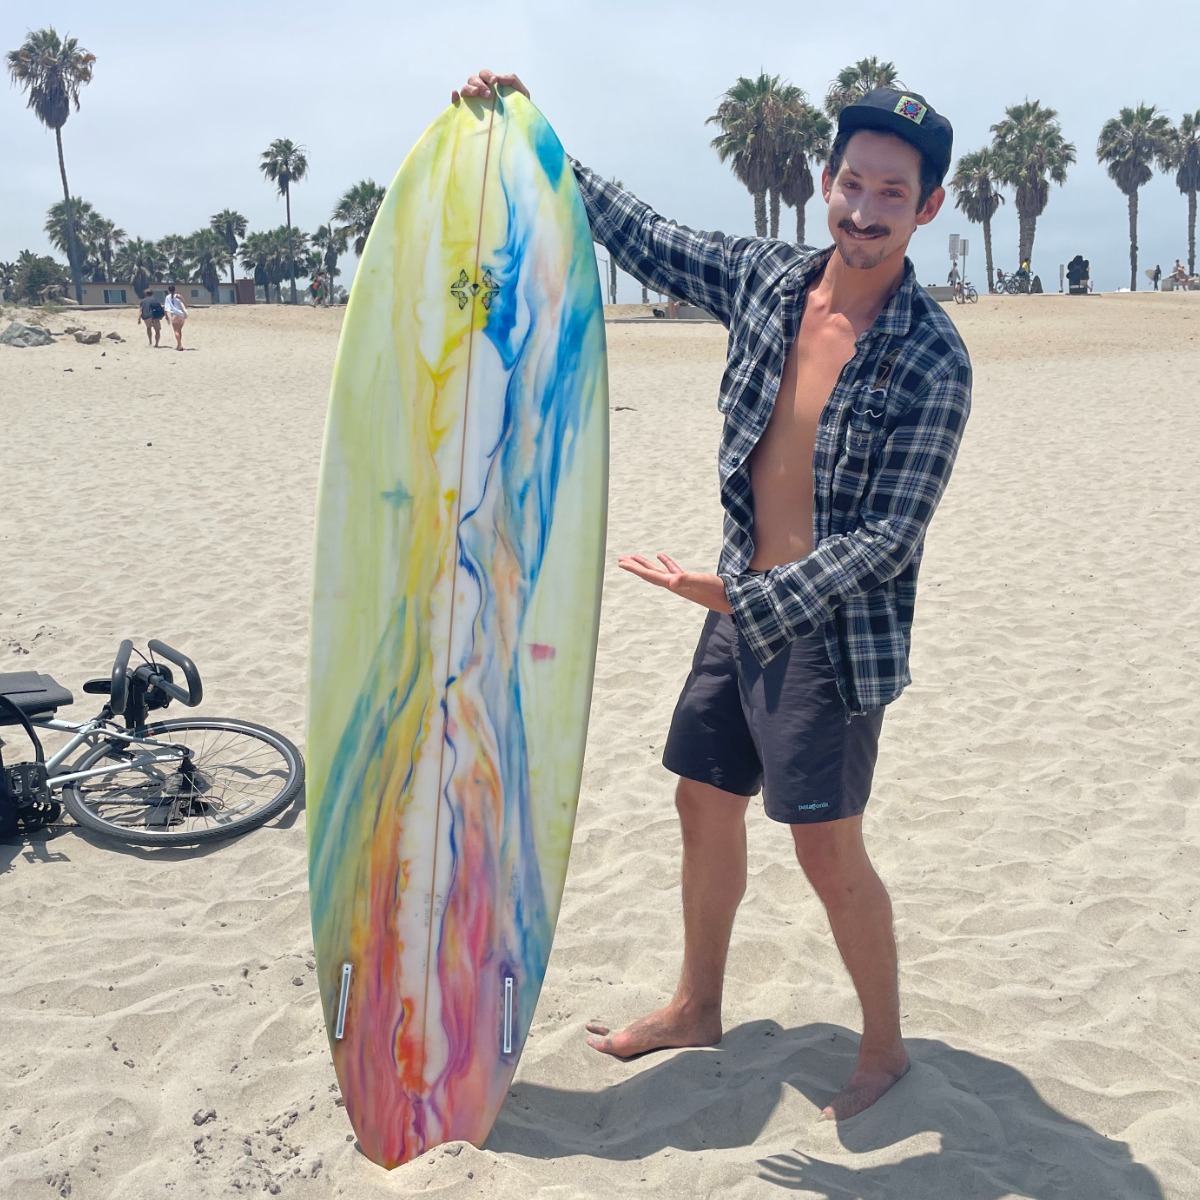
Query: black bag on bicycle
point(25, 799)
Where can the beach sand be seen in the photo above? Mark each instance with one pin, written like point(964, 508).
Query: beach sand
point(1035, 809)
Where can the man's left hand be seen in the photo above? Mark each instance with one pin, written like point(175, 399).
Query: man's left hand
point(706, 590)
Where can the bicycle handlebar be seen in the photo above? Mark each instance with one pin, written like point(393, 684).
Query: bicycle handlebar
point(118, 690)
point(195, 689)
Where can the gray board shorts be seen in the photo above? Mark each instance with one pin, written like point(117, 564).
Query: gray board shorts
point(782, 728)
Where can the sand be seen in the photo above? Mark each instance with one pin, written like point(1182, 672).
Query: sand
point(1035, 811)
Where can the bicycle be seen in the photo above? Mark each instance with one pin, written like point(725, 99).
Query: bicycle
point(180, 782)
point(965, 292)
point(1017, 284)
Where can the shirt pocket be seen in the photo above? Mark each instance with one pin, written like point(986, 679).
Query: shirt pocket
point(866, 433)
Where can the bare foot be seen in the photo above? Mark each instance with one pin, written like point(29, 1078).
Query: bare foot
point(865, 1086)
point(669, 1028)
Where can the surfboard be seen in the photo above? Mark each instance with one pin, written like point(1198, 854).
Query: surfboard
point(459, 547)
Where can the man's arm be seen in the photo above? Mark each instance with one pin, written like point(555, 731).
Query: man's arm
point(704, 268)
point(793, 600)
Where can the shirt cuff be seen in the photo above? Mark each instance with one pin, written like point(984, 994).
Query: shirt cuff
point(756, 614)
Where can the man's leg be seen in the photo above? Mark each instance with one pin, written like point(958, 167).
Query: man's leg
point(835, 860)
point(714, 880)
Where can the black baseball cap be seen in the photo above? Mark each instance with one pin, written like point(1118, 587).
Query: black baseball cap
point(908, 116)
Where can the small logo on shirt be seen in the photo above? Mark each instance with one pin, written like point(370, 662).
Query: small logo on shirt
point(914, 110)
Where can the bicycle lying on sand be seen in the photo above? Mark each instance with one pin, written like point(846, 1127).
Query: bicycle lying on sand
point(183, 782)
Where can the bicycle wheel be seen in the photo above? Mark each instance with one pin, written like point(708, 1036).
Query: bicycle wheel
point(959, 298)
point(972, 295)
point(240, 775)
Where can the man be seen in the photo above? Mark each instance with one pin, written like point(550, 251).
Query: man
point(845, 396)
point(150, 313)
point(1157, 275)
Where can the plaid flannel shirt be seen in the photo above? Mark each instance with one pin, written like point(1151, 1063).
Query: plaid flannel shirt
point(885, 442)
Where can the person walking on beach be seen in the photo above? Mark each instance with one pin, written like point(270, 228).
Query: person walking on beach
point(176, 314)
point(150, 314)
point(845, 396)
point(1157, 275)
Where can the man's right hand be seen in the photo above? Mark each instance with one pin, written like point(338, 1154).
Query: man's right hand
point(480, 86)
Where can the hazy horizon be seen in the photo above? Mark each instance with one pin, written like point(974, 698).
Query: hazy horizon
point(179, 110)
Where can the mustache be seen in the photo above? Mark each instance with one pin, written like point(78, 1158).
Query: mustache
point(872, 231)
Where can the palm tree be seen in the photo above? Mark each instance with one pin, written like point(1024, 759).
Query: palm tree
point(209, 256)
point(140, 262)
point(1185, 159)
point(856, 80)
point(256, 253)
point(230, 227)
point(356, 211)
point(284, 163)
point(8, 275)
point(173, 249)
point(106, 239)
point(751, 116)
point(1031, 153)
point(805, 144)
point(52, 70)
point(1129, 146)
point(330, 243)
point(976, 189)
point(66, 227)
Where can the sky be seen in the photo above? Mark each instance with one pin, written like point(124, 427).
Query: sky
point(185, 98)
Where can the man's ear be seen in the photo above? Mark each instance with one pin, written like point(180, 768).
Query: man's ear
point(827, 183)
point(932, 206)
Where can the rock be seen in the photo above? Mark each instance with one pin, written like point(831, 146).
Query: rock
point(88, 337)
point(21, 335)
point(69, 329)
point(114, 337)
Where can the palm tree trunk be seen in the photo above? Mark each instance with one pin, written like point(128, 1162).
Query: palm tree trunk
point(72, 244)
point(645, 294)
point(987, 252)
point(612, 280)
point(1027, 227)
point(287, 197)
point(232, 284)
point(1133, 240)
point(1191, 233)
point(799, 224)
point(774, 213)
point(760, 214)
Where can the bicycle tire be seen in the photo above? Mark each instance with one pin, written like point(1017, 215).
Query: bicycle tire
point(973, 295)
point(959, 298)
point(140, 811)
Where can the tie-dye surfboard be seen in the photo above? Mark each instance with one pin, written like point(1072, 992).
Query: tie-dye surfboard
point(459, 548)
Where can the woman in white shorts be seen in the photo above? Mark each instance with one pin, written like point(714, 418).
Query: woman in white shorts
point(176, 314)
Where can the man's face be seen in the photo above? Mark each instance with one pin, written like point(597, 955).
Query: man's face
point(873, 201)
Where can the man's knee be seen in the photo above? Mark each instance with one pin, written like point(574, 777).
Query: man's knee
point(833, 857)
point(702, 807)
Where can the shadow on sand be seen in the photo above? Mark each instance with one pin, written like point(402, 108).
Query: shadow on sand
point(998, 1136)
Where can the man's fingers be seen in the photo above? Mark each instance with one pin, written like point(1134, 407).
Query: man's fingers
point(671, 565)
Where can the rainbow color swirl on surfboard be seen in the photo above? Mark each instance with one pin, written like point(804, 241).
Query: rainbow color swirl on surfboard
point(459, 551)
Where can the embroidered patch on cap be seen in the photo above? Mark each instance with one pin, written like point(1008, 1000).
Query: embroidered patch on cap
point(914, 110)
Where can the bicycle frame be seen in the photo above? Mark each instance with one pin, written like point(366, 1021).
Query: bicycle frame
point(90, 734)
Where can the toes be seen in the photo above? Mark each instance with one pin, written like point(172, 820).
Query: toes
point(597, 1027)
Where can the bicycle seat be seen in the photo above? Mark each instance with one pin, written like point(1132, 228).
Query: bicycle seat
point(35, 695)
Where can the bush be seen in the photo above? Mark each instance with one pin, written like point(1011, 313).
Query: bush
point(39, 278)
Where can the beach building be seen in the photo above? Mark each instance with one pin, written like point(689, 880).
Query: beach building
point(240, 292)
